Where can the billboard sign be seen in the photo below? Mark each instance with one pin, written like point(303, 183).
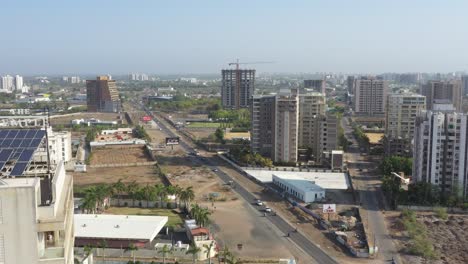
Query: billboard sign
point(329, 208)
point(146, 118)
point(172, 141)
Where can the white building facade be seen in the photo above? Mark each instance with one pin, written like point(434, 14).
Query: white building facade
point(32, 228)
point(439, 154)
point(286, 126)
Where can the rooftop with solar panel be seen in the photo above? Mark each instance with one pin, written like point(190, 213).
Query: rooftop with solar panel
point(23, 152)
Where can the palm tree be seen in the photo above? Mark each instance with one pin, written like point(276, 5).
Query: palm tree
point(208, 251)
point(225, 253)
point(102, 193)
point(232, 260)
point(200, 214)
point(161, 192)
point(187, 195)
point(132, 248)
point(149, 194)
point(132, 189)
point(88, 249)
point(90, 200)
point(177, 192)
point(120, 189)
point(103, 244)
point(194, 250)
point(164, 250)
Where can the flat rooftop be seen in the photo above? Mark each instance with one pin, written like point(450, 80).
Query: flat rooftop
point(302, 184)
point(18, 182)
point(118, 226)
point(325, 180)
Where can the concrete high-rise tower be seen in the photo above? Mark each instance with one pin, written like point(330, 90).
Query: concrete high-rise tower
point(102, 95)
point(18, 83)
point(437, 92)
point(370, 96)
point(237, 87)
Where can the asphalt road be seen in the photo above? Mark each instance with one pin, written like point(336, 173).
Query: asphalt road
point(369, 194)
point(305, 244)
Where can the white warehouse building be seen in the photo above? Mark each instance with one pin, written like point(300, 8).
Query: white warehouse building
point(300, 188)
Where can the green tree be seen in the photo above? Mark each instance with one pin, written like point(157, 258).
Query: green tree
point(161, 192)
point(208, 249)
point(132, 189)
point(120, 189)
point(149, 194)
point(187, 195)
point(164, 251)
point(193, 250)
point(219, 134)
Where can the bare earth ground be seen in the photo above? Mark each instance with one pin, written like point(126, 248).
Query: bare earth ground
point(232, 222)
point(66, 120)
point(305, 224)
point(141, 174)
point(449, 237)
point(201, 133)
point(118, 155)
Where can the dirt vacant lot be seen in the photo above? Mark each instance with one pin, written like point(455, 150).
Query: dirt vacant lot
point(142, 175)
point(449, 237)
point(119, 155)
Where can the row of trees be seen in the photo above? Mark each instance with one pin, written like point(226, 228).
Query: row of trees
point(239, 120)
point(141, 133)
point(418, 193)
point(96, 197)
point(244, 156)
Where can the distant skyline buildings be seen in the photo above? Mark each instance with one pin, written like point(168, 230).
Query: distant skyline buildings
point(442, 92)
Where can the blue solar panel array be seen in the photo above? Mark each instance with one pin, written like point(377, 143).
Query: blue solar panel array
point(19, 145)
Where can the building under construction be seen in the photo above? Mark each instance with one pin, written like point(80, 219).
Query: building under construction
point(102, 95)
point(237, 88)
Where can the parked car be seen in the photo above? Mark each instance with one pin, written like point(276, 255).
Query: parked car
point(268, 209)
point(258, 202)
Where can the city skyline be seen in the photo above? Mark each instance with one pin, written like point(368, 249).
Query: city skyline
point(177, 37)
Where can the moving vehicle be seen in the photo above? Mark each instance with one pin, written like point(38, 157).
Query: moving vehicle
point(268, 209)
point(258, 202)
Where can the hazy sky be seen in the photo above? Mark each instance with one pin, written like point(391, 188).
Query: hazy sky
point(201, 36)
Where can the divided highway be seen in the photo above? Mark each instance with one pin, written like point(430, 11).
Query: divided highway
point(305, 244)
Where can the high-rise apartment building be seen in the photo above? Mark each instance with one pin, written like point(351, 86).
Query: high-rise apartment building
point(312, 108)
point(464, 83)
point(402, 110)
point(400, 118)
point(440, 145)
point(284, 122)
point(18, 83)
point(350, 84)
point(437, 92)
point(102, 95)
point(36, 223)
point(370, 96)
point(237, 88)
point(263, 125)
point(7, 83)
point(317, 85)
point(286, 126)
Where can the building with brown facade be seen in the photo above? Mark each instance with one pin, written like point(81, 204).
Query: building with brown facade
point(102, 95)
